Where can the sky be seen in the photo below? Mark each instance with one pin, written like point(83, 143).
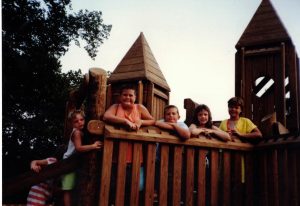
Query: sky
point(193, 41)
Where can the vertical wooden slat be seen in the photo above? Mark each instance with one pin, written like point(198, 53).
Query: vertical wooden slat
point(236, 180)
point(263, 196)
point(214, 177)
point(150, 174)
point(294, 116)
point(163, 183)
point(227, 179)
point(275, 193)
point(108, 96)
point(140, 92)
point(121, 173)
point(189, 186)
point(106, 173)
point(285, 176)
point(280, 89)
point(249, 196)
point(135, 177)
point(293, 177)
point(201, 193)
point(150, 96)
point(176, 192)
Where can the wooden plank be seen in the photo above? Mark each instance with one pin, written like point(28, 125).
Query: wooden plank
point(263, 184)
point(23, 182)
point(164, 173)
point(227, 179)
point(150, 95)
point(292, 162)
point(140, 94)
point(249, 170)
point(141, 135)
point(214, 178)
point(236, 183)
point(285, 175)
point(275, 193)
point(135, 176)
point(201, 193)
point(177, 168)
point(106, 173)
point(189, 186)
point(109, 100)
point(161, 94)
point(280, 89)
point(121, 174)
point(150, 174)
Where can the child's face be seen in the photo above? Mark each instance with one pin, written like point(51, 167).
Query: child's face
point(234, 111)
point(78, 122)
point(127, 97)
point(203, 117)
point(172, 115)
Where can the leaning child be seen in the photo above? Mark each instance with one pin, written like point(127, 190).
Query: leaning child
point(75, 145)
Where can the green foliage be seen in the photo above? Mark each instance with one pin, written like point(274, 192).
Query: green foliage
point(35, 34)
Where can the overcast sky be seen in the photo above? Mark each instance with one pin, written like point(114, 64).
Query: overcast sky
point(193, 42)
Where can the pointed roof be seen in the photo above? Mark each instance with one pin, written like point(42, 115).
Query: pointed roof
point(264, 27)
point(138, 64)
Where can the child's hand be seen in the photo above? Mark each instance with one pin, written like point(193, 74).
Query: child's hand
point(35, 167)
point(131, 125)
point(138, 124)
point(98, 144)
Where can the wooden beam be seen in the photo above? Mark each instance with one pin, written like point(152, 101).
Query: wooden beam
point(23, 182)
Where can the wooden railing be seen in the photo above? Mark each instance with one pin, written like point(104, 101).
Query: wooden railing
point(277, 171)
point(198, 171)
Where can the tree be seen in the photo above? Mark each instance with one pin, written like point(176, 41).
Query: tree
point(35, 34)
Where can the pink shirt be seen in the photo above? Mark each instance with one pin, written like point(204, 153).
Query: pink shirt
point(134, 116)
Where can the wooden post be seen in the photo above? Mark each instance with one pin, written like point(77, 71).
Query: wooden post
point(280, 89)
point(96, 100)
point(140, 92)
point(150, 94)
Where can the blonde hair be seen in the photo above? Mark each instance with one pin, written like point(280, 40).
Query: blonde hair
point(73, 114)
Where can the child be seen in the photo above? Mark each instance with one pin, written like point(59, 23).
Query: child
point(40, 193)
point(202, 124)
point(170, 122)
point(237, 126)
point(75, 145)
point(132, 116)
point(127, 112)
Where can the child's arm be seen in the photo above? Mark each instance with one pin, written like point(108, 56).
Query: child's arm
point(110, 116)
point(184, 133)
point(220, 133)
point(194, 130)
point(146, 117)
point(36, 165)
point(76, 137)
point(255, 133)
point(163, 125)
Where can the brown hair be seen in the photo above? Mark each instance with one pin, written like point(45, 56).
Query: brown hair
point(201, 107)
point(236, 101)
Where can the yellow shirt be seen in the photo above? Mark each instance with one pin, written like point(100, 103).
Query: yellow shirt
point(243, 125)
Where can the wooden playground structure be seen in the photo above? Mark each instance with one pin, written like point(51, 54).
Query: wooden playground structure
point(199, 171)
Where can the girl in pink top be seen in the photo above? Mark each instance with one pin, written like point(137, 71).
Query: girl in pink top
point(127, 112)
point(132, 116)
